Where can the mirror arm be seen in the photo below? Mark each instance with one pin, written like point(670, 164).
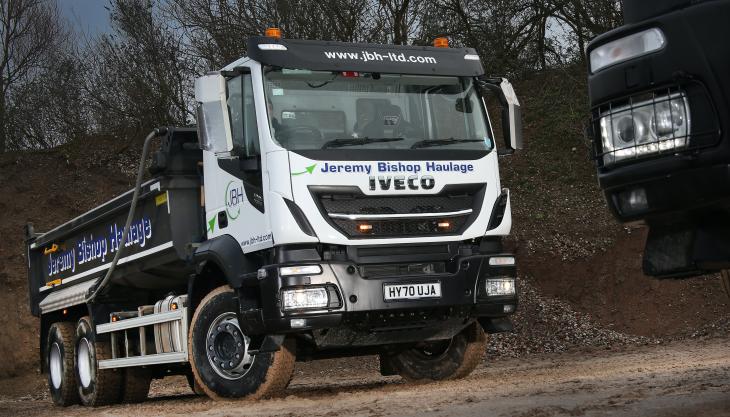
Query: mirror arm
point(493, 84)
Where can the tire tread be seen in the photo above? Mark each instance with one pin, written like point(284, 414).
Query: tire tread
point(108, 383)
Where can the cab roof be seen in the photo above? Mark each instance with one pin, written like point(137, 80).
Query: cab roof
point(364, 57)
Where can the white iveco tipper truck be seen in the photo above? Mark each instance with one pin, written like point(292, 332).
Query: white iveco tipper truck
point(336, 199)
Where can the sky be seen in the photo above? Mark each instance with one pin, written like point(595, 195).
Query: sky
point(86, 16)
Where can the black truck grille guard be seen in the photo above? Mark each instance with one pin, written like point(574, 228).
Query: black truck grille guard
point(703, 130)
point(360, 216)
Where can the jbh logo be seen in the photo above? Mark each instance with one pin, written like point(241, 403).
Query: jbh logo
point(234, 199)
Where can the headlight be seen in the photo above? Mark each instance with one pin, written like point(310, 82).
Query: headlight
point(656, 125)
point(626, 48)
point(305, 298)
point(500, 286)
point(286, 271)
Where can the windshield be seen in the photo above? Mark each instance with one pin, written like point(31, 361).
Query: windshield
point(311, 110)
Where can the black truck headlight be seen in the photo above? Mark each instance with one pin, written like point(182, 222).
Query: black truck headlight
point(628, 47)
point(496, 287)
point(658, 124)
point(305, 298)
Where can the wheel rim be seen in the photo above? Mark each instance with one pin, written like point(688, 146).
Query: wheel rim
point(227, 347)
point(55, 366)
point(83, 360)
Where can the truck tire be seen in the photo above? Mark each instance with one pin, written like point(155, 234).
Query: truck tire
point(725, 281)
point(136, 385)
point(60, 360)
point(219, 357)
point(441, 360)
point(96, 386)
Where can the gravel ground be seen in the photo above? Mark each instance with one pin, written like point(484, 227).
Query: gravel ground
point(689, 378)
point(546, 325)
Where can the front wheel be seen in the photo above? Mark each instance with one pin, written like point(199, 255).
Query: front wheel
point(220, 358)
point(454, 358)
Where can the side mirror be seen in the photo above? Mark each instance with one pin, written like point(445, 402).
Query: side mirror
point(511, 112)
point(212, 113)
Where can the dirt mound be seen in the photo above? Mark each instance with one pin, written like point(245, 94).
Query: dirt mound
point(45, 188)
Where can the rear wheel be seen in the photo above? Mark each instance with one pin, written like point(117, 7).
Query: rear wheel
point(96, 386)
point(60, 359)
point(725, 281)
point(219, 355)
point(440, 360)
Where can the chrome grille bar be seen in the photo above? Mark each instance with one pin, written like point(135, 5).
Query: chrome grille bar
point(400, 215)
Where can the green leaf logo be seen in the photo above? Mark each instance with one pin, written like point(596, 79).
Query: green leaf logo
point(307, 170)
point(211, 223)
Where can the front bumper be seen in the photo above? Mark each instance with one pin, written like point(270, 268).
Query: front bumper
point(668, 196)
point(362, 316)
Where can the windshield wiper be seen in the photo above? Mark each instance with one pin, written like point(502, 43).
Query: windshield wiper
point(336, 143)
point(438, 142)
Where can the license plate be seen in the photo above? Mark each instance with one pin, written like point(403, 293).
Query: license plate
point(411, 291)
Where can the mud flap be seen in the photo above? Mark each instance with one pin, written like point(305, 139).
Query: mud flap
point(677, 250)
point(265, 344)
point(386, 367)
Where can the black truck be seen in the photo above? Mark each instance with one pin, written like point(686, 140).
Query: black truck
point(659, 90)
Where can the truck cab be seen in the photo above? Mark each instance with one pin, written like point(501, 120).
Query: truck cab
point(349, 203)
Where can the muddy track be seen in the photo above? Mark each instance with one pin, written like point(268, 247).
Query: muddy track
point(680, 379)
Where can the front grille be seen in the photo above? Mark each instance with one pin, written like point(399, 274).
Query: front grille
point(388, 270)
point(402, 227)
point(460, 205)
point(339, 203)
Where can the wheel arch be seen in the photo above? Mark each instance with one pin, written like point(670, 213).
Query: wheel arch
point(220, 261)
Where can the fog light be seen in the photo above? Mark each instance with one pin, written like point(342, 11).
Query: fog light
point(297, 323)
point(364, 228)
point(444, 225)
point(508, 308)
point(500, 286)
point(286, 271)
point(502, 261)
point(633, 201)
point(305, 298)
